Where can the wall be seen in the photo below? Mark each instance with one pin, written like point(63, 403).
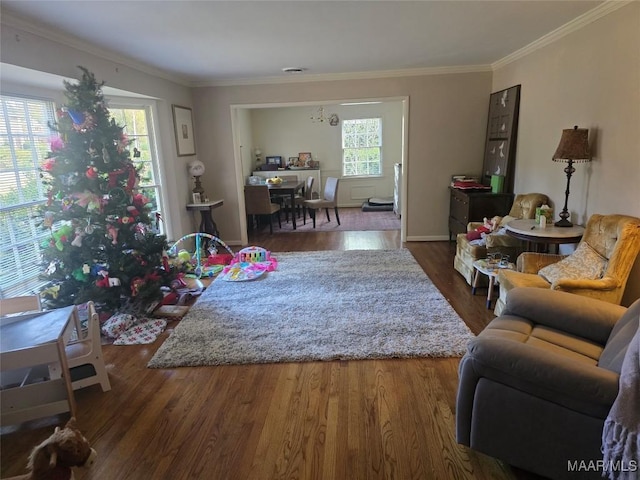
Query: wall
point(20, 47)
point(288, 131)
point(590, 78)
point(446, 130)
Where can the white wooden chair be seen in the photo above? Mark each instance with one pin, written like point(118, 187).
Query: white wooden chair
point(86, 353)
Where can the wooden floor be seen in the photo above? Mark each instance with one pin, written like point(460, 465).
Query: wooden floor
point(343, 420)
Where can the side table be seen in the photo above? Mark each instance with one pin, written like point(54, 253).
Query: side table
point(207, 225)
point(490, 270)
point(530, 231)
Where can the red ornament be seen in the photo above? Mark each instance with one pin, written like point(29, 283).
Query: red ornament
point(49, 164)
point(92, 173)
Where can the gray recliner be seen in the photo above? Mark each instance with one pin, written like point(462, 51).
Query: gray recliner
point(537, 384)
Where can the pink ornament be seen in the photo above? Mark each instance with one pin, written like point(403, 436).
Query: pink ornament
point(56, 144)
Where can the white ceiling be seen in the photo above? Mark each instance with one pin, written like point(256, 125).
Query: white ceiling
point(216, 42)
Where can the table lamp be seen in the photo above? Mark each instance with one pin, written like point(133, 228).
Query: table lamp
point(196, 169)
point(573, 147)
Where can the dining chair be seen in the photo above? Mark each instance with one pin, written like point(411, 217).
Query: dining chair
point(84, 355)
point(26, 303)
point(257, 201)
point(299, 199)
point(329, 200)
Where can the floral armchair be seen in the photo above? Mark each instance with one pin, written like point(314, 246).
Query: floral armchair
point(467, 252)
point(598, 268)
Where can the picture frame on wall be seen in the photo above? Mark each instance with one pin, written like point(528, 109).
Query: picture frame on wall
point(183, 126)
point(274, 161)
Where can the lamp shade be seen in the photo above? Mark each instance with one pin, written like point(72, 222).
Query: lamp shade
point(574, 146)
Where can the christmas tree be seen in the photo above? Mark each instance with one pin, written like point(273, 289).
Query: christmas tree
point(102, 246)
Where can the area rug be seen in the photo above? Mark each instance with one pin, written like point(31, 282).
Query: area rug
point(351, 218)
point(329, 305)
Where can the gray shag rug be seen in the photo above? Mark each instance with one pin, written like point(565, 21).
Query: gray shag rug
point(362, 304)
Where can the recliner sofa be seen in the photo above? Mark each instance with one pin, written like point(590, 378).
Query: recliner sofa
point(537, 384)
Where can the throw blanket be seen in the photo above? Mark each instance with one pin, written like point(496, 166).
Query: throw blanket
point(621, 433)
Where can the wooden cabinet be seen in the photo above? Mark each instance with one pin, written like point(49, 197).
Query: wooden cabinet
point(469, 206)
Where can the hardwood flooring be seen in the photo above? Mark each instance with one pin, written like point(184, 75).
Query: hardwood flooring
point(343, 420)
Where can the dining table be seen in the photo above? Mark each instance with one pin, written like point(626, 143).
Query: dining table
point(289, 187)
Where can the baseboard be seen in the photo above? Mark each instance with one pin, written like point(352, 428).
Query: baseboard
point(427, 238)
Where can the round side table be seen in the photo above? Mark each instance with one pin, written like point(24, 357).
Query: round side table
point(530, 231)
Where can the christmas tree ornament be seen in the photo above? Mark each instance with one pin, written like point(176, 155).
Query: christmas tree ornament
point(91, 173)
point(51, 269)
point(48, 164)
point(76, 117)
point(77, 241)
point(105, 155)
point(112, 233)
point(48, 219)
point(56, 144)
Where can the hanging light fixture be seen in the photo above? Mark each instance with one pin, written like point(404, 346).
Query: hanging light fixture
point(320, 117)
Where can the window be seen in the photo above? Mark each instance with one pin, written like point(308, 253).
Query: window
point(362, 147)
point(24, 143)
point(137, 124)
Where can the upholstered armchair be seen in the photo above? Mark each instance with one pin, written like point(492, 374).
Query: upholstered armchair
point(467, 252)
point(539, 381)
point(598, 268)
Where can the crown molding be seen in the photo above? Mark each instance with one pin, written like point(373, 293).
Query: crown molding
point(296, 78)
point(576, 24)
point(30, 26)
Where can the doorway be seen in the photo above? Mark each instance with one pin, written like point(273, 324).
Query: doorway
point(285, 130)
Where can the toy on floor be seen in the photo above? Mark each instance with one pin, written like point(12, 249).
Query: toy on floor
point(249, 264)
point(53, 458)
point(203, 261)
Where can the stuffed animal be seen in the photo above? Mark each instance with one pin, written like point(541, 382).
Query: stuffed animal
point(53, 458)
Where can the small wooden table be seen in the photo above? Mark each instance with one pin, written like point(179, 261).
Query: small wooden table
point(530, 231)
point(289, 187)
point(207, 225)
point(490, 270)
point(30, 340)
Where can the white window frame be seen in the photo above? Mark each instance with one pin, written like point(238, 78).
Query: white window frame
point(151, 110)
point(379, 146)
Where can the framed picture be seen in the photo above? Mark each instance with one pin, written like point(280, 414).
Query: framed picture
point(196, 198)
point(303, 159)
point(183, 125)
point(274, 161)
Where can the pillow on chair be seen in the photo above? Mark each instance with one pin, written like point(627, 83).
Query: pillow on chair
point(584, 263)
